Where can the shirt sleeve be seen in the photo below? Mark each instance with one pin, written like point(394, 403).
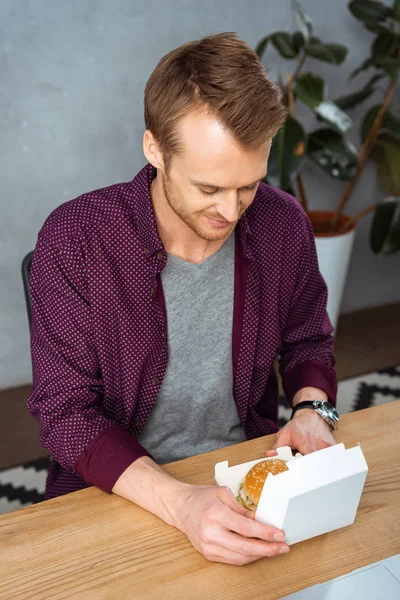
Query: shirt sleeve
point(67, 389)
point(306, 357)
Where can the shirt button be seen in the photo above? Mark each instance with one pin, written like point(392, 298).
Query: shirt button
point(159, 256)
point(152, 292)
point(138, 422)
point(156, 380)
point(146, 250)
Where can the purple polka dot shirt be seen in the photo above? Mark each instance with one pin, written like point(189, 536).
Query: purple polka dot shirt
point(99, 327)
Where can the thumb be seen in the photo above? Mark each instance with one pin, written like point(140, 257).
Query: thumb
point(226, 496)
point(271, 453)
point(282, 439)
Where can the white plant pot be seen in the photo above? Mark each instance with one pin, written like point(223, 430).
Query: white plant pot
point(334, 252)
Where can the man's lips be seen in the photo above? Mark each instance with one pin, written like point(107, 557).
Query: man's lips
point(217, 222)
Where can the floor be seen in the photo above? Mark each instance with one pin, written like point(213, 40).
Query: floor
point(366, 341)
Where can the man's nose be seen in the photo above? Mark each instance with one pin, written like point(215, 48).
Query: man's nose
point(229, 208)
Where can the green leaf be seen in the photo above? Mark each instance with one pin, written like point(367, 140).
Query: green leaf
point(389, 132)
point(331, 53)
point(352, 100)
point(298, 41)
point(284, 44)
point(388, 160)
point(369, 11)
point(363, 67)
point(262, 46)
point(391, 66)
point(303, 19)
point(368, 121)
point(287, 152)
point(309, 88)
point(373, 80)
point(396, 9)
point(376, 27)
point(333, 153)
point(385, 230)
point(383, 46)
point(331, 113)
point(391, 121)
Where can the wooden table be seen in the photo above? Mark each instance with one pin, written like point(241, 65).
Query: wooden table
point(92, 546)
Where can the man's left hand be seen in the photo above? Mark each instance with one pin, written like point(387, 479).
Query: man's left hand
point(306, 432)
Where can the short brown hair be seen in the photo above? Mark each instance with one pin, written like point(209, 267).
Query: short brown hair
point(223, 74)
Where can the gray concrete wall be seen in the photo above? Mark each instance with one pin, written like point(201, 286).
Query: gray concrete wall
point(72, 76)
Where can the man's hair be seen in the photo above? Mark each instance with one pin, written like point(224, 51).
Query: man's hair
point(222, 74)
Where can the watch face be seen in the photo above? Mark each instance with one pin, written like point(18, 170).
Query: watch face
point(332, 412)
point(327, 411)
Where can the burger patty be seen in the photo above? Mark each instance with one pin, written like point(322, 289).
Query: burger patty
point(242, 497)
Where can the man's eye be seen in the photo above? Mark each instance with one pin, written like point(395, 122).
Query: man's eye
point(249, 189)
point(209, 193)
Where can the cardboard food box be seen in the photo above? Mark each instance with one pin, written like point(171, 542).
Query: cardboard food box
point(319, 493)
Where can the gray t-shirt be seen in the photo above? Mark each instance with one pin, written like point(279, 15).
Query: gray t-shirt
point(195, 411)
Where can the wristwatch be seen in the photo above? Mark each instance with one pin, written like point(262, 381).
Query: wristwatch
point(328, 412)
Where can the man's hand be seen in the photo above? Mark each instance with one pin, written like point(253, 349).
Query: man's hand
point(306, 432)
point(212, 519)
point(222, 530)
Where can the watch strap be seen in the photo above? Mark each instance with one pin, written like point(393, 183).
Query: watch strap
point(305, 404)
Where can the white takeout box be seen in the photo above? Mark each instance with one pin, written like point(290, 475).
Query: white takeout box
point(319, 493)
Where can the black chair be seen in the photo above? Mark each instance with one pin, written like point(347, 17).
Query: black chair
point(26, 271)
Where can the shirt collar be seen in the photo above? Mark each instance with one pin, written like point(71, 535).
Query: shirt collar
point(144, 213)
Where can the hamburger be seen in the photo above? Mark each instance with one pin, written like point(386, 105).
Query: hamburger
point(251, 487)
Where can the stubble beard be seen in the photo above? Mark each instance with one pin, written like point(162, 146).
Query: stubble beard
point(193, 221)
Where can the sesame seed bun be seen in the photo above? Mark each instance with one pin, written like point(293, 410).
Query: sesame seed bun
point(251, 488)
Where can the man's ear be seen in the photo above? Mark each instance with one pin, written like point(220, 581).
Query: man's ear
point(152, 151)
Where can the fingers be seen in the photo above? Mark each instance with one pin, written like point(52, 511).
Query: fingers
point(321, 444)
point(248, 547)
point(217, 554)
point(249, 527)
point(226, 496)
point(271, 452)
point(306, 447)
point(228, 533)
point(310, 444)
point(283, 438)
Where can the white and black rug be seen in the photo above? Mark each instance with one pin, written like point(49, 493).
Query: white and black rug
point(356, 393)
point(25, 484)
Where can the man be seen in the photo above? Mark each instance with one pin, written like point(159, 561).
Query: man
point(159, 306)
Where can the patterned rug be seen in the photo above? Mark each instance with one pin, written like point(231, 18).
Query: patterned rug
point(356, 393)
point(25, 484)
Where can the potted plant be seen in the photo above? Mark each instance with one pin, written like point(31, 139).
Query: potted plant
point(327, 145)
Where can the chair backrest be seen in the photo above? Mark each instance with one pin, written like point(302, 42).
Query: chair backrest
point(26, 271)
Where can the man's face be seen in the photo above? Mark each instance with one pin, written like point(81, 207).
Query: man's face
point(214, 180)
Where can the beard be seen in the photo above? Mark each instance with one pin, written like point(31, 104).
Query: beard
point(194, 221)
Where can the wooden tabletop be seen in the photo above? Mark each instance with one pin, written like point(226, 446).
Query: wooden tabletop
point(93, 546)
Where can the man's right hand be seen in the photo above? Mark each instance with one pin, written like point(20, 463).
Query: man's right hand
point(221, 529)
point(215, 523)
